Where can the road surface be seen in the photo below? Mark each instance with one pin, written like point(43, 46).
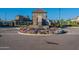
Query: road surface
point(11, 40)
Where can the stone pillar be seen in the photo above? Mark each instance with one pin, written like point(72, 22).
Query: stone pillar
point(39, 21)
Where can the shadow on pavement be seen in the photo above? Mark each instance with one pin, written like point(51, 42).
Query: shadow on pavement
point(0, 35)
point(52, 43)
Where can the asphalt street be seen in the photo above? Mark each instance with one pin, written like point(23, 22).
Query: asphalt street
point(11, 40)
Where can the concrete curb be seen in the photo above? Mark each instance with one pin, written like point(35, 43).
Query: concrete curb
point(73, 27)
point(17, 28)
point(34, 34)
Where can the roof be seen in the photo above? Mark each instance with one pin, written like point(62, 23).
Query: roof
point(39, 11)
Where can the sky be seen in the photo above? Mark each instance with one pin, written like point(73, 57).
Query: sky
point(52, 13)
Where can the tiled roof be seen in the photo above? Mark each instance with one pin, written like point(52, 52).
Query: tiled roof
point(39, 10)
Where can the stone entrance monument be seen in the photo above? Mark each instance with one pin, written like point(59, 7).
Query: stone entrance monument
point(39, 17)
point(40, 24)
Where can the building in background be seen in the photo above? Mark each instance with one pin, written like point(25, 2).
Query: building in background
point(1, 22)
point(77, 19)
point(22, 20)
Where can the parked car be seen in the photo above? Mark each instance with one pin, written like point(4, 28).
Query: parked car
point(60, 31)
